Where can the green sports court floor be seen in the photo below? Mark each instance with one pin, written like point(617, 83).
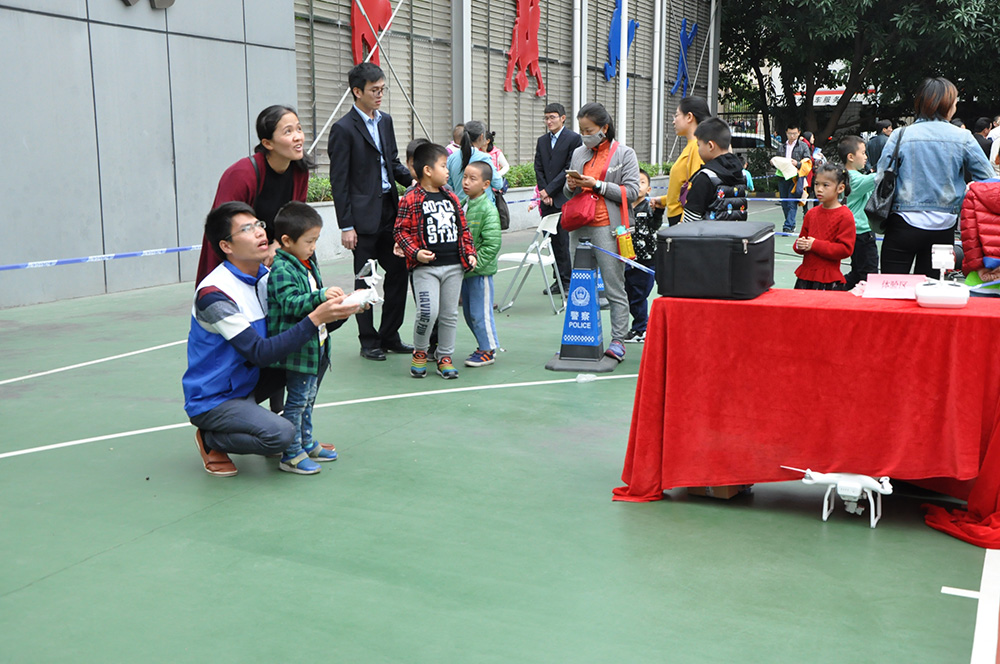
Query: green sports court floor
point(465, 521)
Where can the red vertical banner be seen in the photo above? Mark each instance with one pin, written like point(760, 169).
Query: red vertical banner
point(364, 35)
point(523, 54)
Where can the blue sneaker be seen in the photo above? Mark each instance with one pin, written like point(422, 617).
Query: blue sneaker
point(480, 358)
point(616, 350)
point(321, 452)
point(300, 464)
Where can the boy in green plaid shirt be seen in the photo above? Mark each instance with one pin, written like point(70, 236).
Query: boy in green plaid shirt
point(295, 288)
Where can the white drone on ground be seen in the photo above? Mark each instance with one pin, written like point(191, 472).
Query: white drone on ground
point(851, 488)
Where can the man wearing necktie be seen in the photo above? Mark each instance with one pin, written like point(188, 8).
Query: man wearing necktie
point(552, 155)
point(364, 170)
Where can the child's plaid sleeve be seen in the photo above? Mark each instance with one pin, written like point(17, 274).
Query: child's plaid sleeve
point(407, 229)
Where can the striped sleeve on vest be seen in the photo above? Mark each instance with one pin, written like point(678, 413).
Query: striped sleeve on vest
point(216, 312)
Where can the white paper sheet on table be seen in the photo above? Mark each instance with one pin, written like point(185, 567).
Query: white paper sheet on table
point(892, 286)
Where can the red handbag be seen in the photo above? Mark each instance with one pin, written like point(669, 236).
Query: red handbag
point(579, 211)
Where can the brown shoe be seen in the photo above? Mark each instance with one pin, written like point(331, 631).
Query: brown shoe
point(216, 463)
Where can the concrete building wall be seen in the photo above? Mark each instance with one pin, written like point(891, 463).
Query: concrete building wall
point(134, 114)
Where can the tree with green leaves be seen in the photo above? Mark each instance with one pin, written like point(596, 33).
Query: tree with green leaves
point(890, 45)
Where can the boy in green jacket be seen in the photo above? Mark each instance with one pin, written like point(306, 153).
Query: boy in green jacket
point(864, 260)
point(477, 287)
point(294, 286)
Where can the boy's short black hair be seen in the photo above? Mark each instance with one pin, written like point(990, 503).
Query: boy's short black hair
point(412, 146)
point(294, 219)
point(427, 155)
point(366, 72)
point(882, 125)
point(219, 223)
point(981, 124)
point(554, 107)
point(792, 125)
point(715, 130)
point(848, 145)
point(643, 172)
point(485, 170)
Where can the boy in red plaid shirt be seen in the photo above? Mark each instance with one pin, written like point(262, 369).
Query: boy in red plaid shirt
point(432, 233)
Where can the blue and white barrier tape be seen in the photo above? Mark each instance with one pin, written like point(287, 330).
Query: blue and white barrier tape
point(638, 266)
point(98, 259)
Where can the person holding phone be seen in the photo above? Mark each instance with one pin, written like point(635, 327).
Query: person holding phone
point(616, 165)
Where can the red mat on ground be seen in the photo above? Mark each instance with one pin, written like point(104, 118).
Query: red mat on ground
point(730, 391)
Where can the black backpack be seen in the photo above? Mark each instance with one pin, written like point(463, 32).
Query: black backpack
point(730, 202)
point(502, 210)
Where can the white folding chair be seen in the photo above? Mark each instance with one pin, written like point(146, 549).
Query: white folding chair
point(539, 253)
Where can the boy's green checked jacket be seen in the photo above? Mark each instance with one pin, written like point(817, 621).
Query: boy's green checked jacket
point(289, 300)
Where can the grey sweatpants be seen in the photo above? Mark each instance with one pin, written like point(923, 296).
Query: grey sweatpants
point(436, 289)
point(612, 272)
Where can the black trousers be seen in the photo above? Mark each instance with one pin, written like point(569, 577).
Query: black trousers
point(560, 249)
point(903, 244)
point(864, 260)
point(379, 247)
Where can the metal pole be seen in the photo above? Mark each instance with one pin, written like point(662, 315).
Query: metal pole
point(329, 121)
point(623, 77)
point(584, 62)
point(312, 66)
point(654, 134)
point(461, 61)
point(661, 102)
point(575, 102)
point(713, 69)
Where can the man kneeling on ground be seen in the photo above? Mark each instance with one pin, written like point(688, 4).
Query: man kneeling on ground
point(228, 344)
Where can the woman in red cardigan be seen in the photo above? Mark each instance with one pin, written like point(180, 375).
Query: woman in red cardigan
point(275, 174)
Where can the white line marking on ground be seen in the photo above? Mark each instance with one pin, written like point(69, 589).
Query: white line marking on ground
point(471, 388)
point(351, 402)
point(95, 439)
point(87, 364)
point(960, 592)
point(984, 644)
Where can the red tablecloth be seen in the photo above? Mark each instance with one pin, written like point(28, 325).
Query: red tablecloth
point(730, 391)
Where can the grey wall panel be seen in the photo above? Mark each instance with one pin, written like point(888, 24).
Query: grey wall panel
point(62, 214)
point(210, 128)
point(218, 19)
point(140, 15)
point(132, 92)
point(271, 23)
point(74, 8)
point(271, 80)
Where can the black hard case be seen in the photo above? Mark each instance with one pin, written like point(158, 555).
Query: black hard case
point(723, 260)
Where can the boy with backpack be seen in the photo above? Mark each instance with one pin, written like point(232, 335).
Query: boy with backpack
point(717, 191)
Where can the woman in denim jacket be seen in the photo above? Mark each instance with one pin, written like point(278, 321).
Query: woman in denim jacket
point(934, 157)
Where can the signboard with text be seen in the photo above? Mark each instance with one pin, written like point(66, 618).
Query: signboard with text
point(893, 286)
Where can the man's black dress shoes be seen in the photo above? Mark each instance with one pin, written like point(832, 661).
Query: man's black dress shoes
point(376, 354)
point(399, 347)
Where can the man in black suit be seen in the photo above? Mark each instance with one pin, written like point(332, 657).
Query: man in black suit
point(364, 169)
point(552, 155)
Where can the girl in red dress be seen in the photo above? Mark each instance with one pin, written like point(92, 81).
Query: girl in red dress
point(828, 233)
